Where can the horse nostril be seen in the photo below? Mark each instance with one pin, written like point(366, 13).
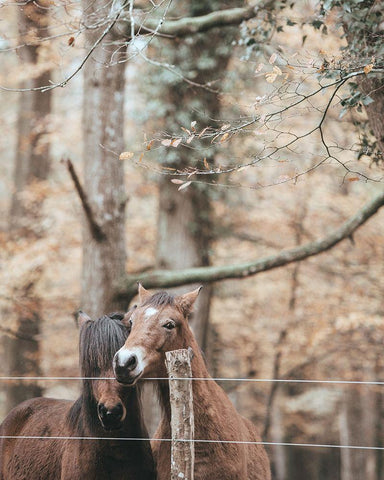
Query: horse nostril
point(117, 410)
point(102, 410)
point(131, 363)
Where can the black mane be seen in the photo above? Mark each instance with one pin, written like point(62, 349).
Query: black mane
point(99, 341)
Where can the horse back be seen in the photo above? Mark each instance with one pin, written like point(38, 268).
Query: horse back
point(23, 458)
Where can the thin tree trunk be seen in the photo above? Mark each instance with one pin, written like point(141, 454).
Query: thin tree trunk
point(345, 453)
point(277, 436)
point(104, 256)
point(31, 165)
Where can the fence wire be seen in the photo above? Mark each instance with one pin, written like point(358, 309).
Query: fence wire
point(210, 379)
point(207, 441)
point(188, 440)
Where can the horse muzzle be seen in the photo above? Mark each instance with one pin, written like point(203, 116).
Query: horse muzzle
point(127, 366)
point(111, 418)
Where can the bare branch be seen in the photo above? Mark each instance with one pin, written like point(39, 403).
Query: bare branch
point(168, 278)
point(15, 334)
point(96, 230)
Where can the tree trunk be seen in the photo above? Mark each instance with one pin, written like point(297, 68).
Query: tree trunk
point(184, 232)
point(185, 218)
point(359, 425)
point(32, 150)
point(104, 256)
point(374, 87)
point(31, 165)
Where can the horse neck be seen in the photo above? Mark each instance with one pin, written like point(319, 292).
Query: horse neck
point(203, 391)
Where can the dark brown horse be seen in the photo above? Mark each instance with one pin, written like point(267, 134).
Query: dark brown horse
point(159, 324)
point(105, 411)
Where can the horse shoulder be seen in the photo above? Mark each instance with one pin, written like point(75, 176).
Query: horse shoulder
point(26, 457)
point(258, 461)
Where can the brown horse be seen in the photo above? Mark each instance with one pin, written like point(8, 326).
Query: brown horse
point(159, 324)
point(105, 411)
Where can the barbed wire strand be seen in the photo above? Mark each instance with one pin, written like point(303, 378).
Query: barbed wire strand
point(189, 440)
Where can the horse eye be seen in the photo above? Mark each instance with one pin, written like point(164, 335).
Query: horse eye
point(169, 325)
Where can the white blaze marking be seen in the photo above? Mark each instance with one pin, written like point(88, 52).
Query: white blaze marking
point(150, 312)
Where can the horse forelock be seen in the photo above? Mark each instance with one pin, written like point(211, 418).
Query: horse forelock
point(160, 299)
point(99, 341)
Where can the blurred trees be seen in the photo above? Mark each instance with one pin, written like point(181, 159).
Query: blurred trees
point(31, 168)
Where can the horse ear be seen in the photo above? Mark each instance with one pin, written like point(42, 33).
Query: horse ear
point(143, 293)
point(187, 300)
point(82, 318)
point(127, 316)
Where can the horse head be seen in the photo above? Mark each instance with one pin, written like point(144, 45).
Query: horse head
point(158, 324)
point(99, 341)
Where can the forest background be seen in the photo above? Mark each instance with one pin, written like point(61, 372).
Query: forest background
point(234, 145)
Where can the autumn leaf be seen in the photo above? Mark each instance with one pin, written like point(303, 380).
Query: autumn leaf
point(206, 164)
point(224, 137)
point(167, 142)
point(259, 67)
point(71, 41)
point(368, 68)
point(185, 185)
point(126, 155)
point(175, 143)
point(149, 145)
point(272, 58)
point(271, 76)
point(353, 179)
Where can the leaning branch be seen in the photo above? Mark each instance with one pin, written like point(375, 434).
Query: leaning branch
point(96, 230)
point(168, 278)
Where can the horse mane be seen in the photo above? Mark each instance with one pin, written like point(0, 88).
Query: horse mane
point(160, 299)
point(99, 341)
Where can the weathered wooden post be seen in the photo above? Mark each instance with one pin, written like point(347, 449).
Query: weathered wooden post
point(178, 364)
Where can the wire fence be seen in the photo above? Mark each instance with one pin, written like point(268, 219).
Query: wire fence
point(188, 440)
point(209, 379)
point(201, 441)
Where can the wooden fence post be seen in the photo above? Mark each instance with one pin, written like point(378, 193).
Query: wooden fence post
point(178, 364)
